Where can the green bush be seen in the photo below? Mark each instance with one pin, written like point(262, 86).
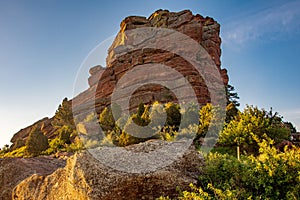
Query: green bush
point(4, 150)
point(173, 115)
point(157, 115)
point(106, 120)
point(270, 175)
point(18, 144)
point(251, 123)
point(55, 145)
point(36, 143)
point(64, 116)
point(19, 152)
point(210, 120)
point(61, 141)
point(64, 134)
point(190, 115)
point(76, 145)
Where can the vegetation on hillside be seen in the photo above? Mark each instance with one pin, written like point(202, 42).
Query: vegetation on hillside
point(65, 137)
point(261, 170)
point(269, 175)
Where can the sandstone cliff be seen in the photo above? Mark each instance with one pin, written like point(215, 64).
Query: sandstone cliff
point(125, 54)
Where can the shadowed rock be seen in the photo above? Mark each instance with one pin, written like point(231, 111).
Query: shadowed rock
point(15, 170)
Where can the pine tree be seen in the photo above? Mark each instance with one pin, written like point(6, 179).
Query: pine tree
point(64, 116)
point(232, 96)
point(106, 119)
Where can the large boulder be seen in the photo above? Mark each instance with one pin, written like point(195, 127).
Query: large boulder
point(15, 170)
point(85, 177)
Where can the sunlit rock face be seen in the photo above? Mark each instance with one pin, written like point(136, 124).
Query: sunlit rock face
point(129, 51)
point(85, 178)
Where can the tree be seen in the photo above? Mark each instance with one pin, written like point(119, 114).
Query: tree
point(232, 103)
point(141, 109)
point(5, 149)
point(106, 119)
point(141, 118)
point(157, 116)
point(291, 127)
point(210, 119)
point(251, 124)
point(36, 142)
point(64, 116)
point(231, 112)
point(173, 115)
point(64, 134)
point(232, 96)
point(18, 144)
point(136, 129)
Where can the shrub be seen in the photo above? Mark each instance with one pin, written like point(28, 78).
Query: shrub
point(20, 152)
point(271, 175)
point(210, 120)
point(173, 115)
point(36, 142)
point(157, 116)
point(106, 120)
point(64, 116)
point(56, 145)
point(191, 115)
point(18, 144)
point(251, 123)
point(76, 145)
point(64, 134)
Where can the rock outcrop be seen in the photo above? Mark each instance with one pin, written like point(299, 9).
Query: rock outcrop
point(44, 123)
point(126, 53)
point(204, 30)
point(15, 170)
point(85, 178)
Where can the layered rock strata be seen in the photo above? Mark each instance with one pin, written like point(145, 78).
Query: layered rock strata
point(128, 52)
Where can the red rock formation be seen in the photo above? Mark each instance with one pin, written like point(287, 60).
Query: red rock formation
point(45, 125)
point(122, 57)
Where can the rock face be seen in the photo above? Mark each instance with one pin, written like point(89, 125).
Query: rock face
point(15, 170)
point(127, 53)
point(85, 178)
point(45, 123)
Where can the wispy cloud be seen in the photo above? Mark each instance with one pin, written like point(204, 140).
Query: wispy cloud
point(270, 23)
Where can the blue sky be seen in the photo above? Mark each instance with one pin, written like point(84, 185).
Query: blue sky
point(43, 43)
